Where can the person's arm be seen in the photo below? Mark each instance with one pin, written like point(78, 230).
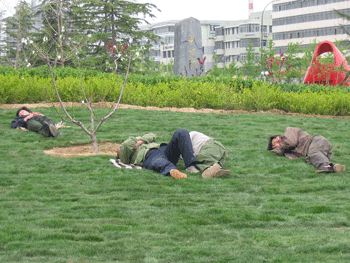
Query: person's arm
point(290, 138)
point(289, 141)
point(127, 149)
point(18, 123)
point(282, 152)
point(291, 156)
point(28, 117)
point(147, 138)
point(31, 115)
point(278, 151)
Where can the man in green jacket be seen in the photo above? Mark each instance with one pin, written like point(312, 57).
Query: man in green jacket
point(162, 158)
point(34, 121)
point(210, 155)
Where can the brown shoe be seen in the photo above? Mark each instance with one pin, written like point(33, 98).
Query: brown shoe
point(221, 172)
point(176, 174)
point(338, 168)
point(211, 171)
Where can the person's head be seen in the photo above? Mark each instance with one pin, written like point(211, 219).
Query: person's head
point(23, 111)
point(273, 140)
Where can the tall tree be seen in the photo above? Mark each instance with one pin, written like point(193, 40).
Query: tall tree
point(110, 23)
point(57, 31)
point(18, 27)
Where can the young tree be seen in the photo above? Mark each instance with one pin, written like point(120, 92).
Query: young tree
point(232, 69)
point(59, 46)
point(285, 67)
point(250, 66)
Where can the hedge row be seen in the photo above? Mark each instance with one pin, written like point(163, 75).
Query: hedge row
point(238, 94)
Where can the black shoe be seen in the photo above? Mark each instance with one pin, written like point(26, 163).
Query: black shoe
point(325, 169)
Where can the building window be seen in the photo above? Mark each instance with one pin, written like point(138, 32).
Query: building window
point(300, 4)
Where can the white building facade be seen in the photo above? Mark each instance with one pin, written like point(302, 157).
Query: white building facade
point(308, 21)
point(233, 37)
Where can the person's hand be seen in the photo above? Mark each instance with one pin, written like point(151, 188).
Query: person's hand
point(28, 117)
point(138, 144)
point(276, 143)
point(37, 114)
point(138, 138)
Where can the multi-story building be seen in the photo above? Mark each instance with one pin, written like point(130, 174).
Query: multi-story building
point(306, 21)
point(233, 37)
point(163, 51)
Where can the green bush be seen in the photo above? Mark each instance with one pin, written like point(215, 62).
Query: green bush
point(175, 91)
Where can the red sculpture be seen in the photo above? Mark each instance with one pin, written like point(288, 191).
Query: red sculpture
point(327, 74)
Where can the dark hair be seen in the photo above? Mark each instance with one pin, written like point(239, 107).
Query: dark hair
point(269, 147)
point(23, 108)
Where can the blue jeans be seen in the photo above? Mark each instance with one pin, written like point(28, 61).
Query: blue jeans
point(165, 158)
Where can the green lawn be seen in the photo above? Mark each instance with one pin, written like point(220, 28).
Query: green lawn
point(83, 209)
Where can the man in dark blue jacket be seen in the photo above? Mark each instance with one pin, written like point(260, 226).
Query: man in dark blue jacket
point(34, 121)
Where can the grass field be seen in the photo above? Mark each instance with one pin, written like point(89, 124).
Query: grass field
point(83, 209)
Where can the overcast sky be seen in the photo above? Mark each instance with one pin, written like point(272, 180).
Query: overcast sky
point(199, 9)
point(205, 10)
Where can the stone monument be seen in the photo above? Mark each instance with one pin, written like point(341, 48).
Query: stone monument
point(188, 52)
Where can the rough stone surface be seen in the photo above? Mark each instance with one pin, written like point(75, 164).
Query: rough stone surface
point(188, 52)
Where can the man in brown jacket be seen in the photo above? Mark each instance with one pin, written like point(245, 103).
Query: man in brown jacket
point(296, 143)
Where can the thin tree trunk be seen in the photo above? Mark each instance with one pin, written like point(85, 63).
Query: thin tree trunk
point(94, 143)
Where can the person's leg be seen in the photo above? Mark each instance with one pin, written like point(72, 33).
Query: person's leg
point(157, 161)
point(212, 152)
point(37, 126)
point(47, 124)
point(319, 154)
point(180, 144)
point(211, 159)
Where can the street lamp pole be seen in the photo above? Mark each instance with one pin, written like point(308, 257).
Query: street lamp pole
point(262, 24)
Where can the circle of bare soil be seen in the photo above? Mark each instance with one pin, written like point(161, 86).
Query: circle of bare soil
point(110, 148)
point(105, 148)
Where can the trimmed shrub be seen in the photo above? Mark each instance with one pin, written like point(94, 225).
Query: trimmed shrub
point(175, 91)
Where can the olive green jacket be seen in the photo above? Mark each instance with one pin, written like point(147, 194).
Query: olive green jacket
point(130, 156)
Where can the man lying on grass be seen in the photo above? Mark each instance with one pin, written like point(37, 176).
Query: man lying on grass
point(296, 143)
point(162, 158)
point(210, 155)
point(34, 121)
